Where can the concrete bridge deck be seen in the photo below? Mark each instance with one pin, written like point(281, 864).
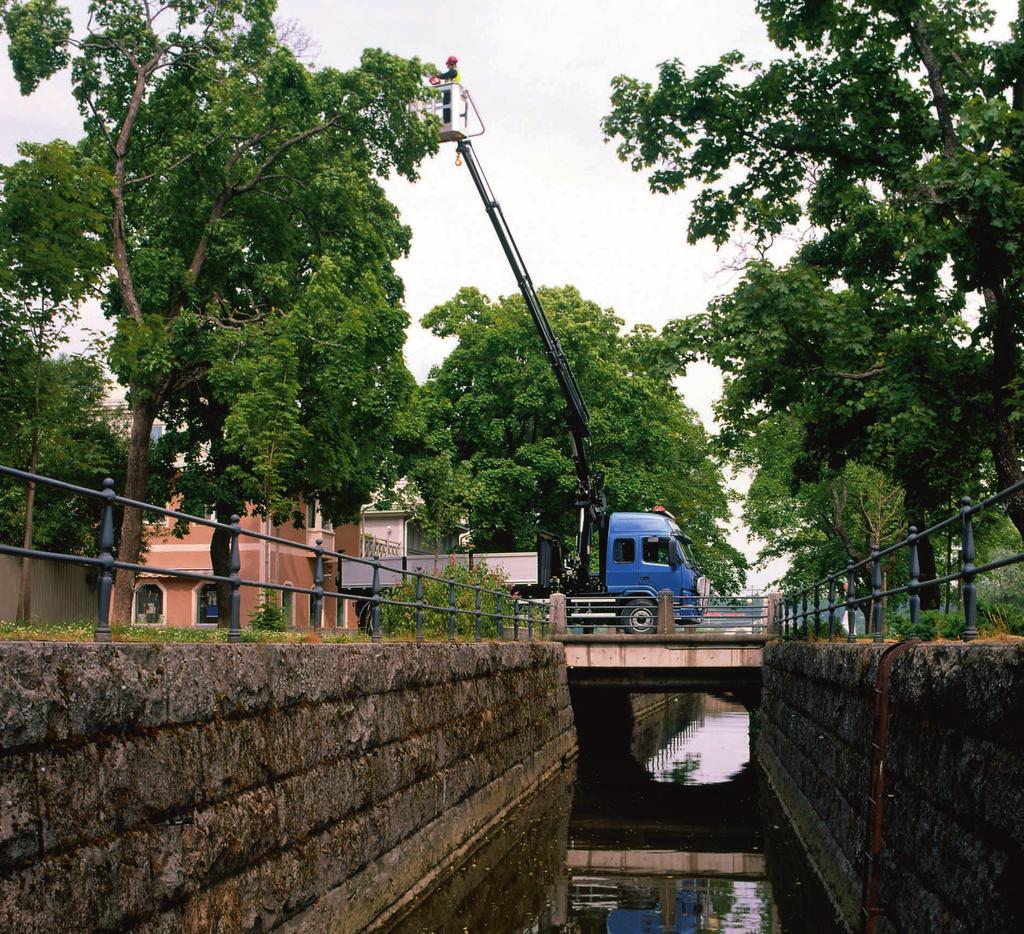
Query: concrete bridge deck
point(664, 662)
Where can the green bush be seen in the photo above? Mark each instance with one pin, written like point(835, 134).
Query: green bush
point(995, 619)
point(931, 624)
point(1000, 619)
point(268, 616)
point(400, 621)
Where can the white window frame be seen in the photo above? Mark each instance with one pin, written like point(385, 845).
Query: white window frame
point(149, 582)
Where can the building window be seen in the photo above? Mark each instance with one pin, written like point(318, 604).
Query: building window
point(624, 551)
point(655, 551)
point(149, 604)
point(207, 610)
point(311, 514)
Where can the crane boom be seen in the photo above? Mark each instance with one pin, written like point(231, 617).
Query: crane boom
point(590, 487)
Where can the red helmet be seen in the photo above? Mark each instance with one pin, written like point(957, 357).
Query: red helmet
point(452, 60)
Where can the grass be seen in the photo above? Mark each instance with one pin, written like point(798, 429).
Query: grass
point(82, 631)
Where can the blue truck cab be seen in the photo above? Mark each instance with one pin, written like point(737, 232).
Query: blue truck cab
point(647, 552)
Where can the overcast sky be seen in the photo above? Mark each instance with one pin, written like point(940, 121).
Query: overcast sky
point(539, 73)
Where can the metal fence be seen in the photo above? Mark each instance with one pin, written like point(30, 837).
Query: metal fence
point(747, 614)
point(802, 613)
point(511, 616)
point(58, 591)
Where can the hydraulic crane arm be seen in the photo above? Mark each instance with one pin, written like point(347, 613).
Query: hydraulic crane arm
point(590, 487)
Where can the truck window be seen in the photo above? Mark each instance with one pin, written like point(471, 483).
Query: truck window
point(624, 551)
point(655, 551)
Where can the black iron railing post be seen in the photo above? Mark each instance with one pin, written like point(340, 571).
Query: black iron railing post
point(106, 580)
point(831, 607)
point(529, 621)
point(318, 585)
point(451, 610)
point(235, 624)
point(544, 620)
point(476, 612)
point(876, 593)
point(967, 555)
point(851, 609)
point(515, 620)
point(817, 610)
point(419, 603)
point(499, 611)
point(803, 614)
point(914, 567)
point(375, 604)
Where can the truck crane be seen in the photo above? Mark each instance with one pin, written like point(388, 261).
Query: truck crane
point(640, 553)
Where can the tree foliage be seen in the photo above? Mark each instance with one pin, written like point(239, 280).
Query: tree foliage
point(251, 241)
point(886, 140)
point(79, 441)
point(51, 257)
point(500, 398)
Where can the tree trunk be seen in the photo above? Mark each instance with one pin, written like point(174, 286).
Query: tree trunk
point(25, 583)
point(143, 416)
point(25, 580)
point(930, 595)
point(1006, 456)
point(220, 561)
point(1005, 371)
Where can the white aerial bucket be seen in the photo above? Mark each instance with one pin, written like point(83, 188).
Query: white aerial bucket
point(454, 108)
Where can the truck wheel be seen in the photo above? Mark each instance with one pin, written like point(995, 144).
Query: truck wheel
point(640, 616)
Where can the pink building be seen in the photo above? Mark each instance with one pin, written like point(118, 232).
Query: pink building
point(174, 601)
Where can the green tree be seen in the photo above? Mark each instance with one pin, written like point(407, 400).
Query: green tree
point(818, 524)
point(74, 437)
point(499, 396)
point(245, 184)
point(425, 475)
point(891, 132)
point(51, 257)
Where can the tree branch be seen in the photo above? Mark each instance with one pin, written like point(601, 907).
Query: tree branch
point(919, 37)
point(289, 143)
point(867, 374)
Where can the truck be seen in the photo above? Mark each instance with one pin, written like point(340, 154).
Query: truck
point(639, 553)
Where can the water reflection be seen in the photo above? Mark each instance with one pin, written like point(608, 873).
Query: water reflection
point(639, 841)
point(713, 747)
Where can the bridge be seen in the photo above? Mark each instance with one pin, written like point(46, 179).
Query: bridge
point(723, 651)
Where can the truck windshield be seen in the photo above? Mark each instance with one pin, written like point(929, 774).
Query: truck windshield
point(684, 550)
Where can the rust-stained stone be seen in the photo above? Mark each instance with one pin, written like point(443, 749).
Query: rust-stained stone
point(954, 824)
point(200, 788)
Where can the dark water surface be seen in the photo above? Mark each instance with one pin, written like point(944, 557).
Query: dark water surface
point(674, 834)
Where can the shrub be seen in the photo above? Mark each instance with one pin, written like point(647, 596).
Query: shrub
point(931, 624)
point(997, 619)
point(400, 621)
point(1000, 619)
point(268, 616)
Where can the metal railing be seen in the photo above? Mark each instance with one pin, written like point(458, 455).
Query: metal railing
point(796, 612)
point(748, 614)
point(513, 617)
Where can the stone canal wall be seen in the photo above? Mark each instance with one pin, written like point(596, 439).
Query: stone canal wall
point(253, 787)
point(953, 828)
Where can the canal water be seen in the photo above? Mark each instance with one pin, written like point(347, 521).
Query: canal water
point(674, 834)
